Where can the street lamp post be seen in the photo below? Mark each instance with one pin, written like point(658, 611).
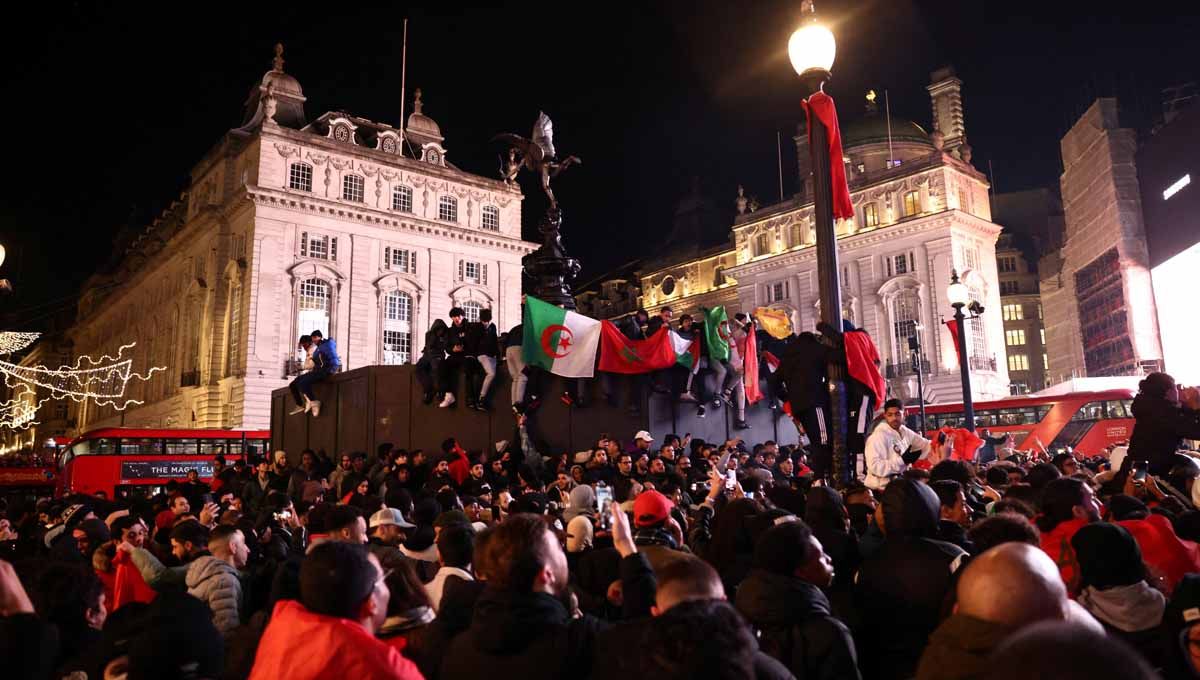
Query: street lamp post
point(960, 296)
point(811, 50)
point(914, 344)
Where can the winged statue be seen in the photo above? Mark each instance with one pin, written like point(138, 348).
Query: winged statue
point(537, 155)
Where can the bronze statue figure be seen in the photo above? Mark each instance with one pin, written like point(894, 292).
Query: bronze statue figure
point(537, 155)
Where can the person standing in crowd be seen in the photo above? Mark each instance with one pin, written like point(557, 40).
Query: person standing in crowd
point(215, 579)
point(330, 631)
point(782, 598)
point(1068, 505)
point(1163, 415)
point(455, 551)
point(892, 447)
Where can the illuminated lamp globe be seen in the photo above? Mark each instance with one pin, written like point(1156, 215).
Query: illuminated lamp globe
point(811, 49)
point(1, 254)
point(957, 292)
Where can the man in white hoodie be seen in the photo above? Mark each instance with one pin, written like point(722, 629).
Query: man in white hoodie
point(892, 447)
point(455, 550)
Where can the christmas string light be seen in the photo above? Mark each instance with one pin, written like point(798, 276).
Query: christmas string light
point(17, 413)
point(104, 380)
point(11, 341)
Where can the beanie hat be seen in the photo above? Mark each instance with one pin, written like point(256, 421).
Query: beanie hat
point(650, 508)
point(336, 578)
point(1108, 556)
point(1122, 507)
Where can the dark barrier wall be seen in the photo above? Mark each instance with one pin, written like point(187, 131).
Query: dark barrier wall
point(374, 404)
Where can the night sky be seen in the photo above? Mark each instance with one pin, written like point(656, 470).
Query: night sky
point(110, 107)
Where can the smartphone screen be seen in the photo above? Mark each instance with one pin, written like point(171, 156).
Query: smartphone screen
point(603, 498)
point(1139, 470)
point(730, 479)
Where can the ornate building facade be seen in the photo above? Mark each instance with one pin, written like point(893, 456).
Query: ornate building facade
point(921, 210)
point(362, 230)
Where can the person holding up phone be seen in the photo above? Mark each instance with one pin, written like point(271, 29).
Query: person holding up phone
point(1164, 414)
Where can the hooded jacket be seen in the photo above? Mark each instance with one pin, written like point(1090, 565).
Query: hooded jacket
point(902, 585)
point(215, 582)
point(795, 626)
point(301, 645)
point(959, 648)
point(1158, 428)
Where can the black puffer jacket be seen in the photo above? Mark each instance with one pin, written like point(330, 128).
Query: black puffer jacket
point(901, 586)
point(795, 626)
point(1158, 428)
point(802, 371)
point(435, 340)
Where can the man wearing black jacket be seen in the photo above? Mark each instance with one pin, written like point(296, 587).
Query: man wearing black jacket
point(485, 347)
point(800, 381)
point(456, 356)
point(523, 626)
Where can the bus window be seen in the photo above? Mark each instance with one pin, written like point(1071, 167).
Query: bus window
point(213, 447)
point(105, 445)
point(986, 419)
point(183, 446)
point(141, 447)
point(1093, 410)
point(1116, 409)
point(1042, 410)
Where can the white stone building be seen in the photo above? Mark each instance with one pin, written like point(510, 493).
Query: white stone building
point(359, 229)
point(922, 210)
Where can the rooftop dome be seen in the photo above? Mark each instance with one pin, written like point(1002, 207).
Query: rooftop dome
point(285, 93)
point(422, 126)
point(874, 128)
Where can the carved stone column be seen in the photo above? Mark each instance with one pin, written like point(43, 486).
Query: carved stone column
point(549, 267)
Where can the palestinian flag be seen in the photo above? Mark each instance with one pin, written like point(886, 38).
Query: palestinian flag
point(559, 341)
point(619, 354)
point(716, 332)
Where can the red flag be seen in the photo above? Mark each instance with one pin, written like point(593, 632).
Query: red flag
point(952, 325)
point(821, 105)
point(862, 360)
point(964, 442)
point(619, 354)
point(750, 368)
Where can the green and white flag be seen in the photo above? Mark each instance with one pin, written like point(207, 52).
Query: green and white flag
point(716, 332)
point(559, 341)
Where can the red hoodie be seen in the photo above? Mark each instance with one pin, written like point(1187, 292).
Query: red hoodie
point(1170, 556)
point(301, 645)
point(460, 467)
point(1057, 544)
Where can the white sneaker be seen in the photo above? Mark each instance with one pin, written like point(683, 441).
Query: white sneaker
point(447, 402)
point(315, 408)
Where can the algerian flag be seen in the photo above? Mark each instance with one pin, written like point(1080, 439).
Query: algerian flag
point(559, 341)
point(716, 332)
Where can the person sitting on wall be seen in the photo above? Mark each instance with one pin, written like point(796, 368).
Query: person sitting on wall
point(325, 363)
point(305, 345)
point(456, 356)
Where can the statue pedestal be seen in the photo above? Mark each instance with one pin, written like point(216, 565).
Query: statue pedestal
point(549, 267)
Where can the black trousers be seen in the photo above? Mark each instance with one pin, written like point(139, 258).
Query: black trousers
point(816, 424)
point(303, 383)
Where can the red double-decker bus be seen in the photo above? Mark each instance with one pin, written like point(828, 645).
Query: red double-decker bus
point(1087, 422)
point(123, 462)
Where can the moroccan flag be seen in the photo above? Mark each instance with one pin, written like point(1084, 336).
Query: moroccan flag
point(619, 354)
point(750, 368)
point(716, 332)
point(774, 321)
point(561, 342)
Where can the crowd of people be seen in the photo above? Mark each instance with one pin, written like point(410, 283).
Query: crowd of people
point(659, 555)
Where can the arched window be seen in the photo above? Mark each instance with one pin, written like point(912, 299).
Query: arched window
point(448, 209)
point(234, 331)
point(870, 215)
point(491, 218)
point(352, 188)
point(472, 310)
point(300, 177)
point(402, 198)
point(906, 314)
point(397, 328)
point(315, 306)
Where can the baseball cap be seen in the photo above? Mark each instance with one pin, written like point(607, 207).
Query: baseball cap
point(651, 507)
point(642, 434)
point(390, 516)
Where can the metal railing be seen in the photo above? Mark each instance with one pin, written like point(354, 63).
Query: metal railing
point(905, 368)
point(982, 363)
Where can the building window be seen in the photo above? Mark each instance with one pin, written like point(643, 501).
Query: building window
point(906, 314)
point(397, 328)
point(963, 198)
point(1014, 337)
point(490, 218)
point(871, 215)
point(777, 291)
point(912, 203)
point(1006, 264)
point(317, 246)
point(472, 272)
point(352, 188)
point(300, 177)
point(234, 343)
point(1018, 362)
point(1009, 287)
point(1013, 312)
point(1045, 362)
point(402, 199)
point(315, 305)
point(400, 260)
point(472, 309)
point(1039, 310)
point(1042, 336)
point(762, 243)
point(901, 264)
point(448, 209)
